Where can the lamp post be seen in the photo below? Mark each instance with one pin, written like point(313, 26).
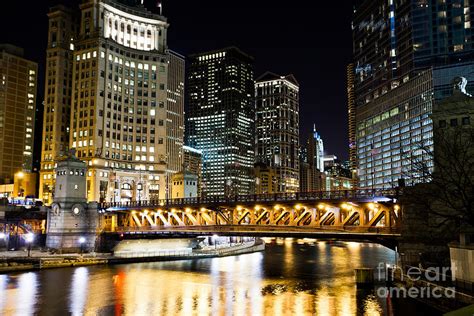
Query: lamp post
point(139, 189)
point(82, 240)
point(3, 237)
point(29, 238)
point(214, 240)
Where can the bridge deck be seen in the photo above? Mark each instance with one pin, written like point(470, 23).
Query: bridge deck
point(361, 196)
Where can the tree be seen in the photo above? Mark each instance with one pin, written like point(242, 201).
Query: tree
point(446, 176)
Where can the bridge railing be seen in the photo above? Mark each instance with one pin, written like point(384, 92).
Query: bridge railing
point(253, 198)
point(211, 229)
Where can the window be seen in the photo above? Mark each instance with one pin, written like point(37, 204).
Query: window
point(466, 120)
point(454, 122)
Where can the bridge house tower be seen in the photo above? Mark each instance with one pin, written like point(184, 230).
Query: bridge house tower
point(72, 222)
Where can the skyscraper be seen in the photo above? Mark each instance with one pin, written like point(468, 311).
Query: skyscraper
point(18, 84)
point(125, 92)
point(312, 165)
point(315, 150)
point(277, 128)
point(405, 54)
point(175, 115)
point(62, 30)
point(220, 120)
point(119, 107)
point(351, 118)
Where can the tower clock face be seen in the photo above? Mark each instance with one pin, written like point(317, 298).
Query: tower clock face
point(77, 209)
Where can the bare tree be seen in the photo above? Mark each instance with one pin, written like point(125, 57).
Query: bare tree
point(445, 173)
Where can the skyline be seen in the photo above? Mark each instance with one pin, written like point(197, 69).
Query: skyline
point(323, 84)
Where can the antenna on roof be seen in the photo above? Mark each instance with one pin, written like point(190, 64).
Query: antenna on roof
point(159, 5)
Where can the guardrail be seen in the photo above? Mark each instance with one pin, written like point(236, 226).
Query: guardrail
point(277, 197)
point(260, 228)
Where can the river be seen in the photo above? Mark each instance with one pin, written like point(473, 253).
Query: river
point(292, 277)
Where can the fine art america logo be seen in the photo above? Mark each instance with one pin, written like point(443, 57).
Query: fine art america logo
point(416, 282)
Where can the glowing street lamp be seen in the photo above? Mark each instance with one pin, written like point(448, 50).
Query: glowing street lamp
point(82, 240)
point(3, 237)
point(214, 240)
point(29, 238)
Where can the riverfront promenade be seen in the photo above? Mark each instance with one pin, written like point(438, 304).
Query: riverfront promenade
point(12, 261)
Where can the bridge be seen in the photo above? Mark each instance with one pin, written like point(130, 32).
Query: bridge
point(346, 214)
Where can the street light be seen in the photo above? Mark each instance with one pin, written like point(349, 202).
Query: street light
point(214, 240)
point(29, 238)
point(139, 189)
point(82, 240)
point(3, 237)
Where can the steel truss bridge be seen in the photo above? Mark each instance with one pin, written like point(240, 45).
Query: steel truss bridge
point(349, 214)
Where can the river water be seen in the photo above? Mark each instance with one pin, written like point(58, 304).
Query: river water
point(292, 277)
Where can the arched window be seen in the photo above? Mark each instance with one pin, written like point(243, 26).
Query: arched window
point(126, 186)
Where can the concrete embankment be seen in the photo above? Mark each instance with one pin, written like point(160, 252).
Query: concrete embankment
point(186, 255)
point(24, 264)
point(43, 261)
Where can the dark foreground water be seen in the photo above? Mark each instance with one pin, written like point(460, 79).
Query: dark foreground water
point(299, 277)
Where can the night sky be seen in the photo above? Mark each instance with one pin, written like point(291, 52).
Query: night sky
point(310, 39)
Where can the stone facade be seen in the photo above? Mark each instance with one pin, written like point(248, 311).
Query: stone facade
point(72, 222)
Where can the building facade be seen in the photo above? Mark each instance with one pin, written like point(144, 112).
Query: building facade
point(220, 119)
point(175, 114)
point(126, 116)
point(351, 119)
point(62, 30)
point(312, 163)
point(277, 128)
point(18, 84)
point(193, 164)
point(184, 185)
point(405, 54)
point(266, 179)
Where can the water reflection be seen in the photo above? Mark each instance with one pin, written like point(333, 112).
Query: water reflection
point(301, 277)
point(21, 294)
point(78, 296)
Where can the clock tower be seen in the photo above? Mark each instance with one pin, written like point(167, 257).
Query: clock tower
point(72, 222)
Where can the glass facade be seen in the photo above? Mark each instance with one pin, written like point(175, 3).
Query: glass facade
point(392, 129)
point(406, 53)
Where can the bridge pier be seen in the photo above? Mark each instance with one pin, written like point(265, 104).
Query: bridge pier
point(72, 222)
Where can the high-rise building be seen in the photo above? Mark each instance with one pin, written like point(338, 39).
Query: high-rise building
point(395, 40)
point(18, 84)
point(351, 116)
point(405, 54)
point(220, 119)
point(126, 145)
point(277, 128)
point(312, 165)
point(114, 93)
point(315, 150)
point(62, 31)
point(175, 114)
